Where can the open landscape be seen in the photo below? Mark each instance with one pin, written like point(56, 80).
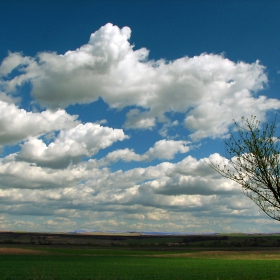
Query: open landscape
point(136, 256)
point(139, 140)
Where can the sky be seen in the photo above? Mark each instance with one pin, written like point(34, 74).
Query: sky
point(110, 111)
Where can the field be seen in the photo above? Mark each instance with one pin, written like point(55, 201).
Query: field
point(22, 256)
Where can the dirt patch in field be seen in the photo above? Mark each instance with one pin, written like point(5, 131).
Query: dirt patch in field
point(21, 251)
point(250, 255)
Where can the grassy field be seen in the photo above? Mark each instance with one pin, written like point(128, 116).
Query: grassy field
point(69, 263)
point(43, 256)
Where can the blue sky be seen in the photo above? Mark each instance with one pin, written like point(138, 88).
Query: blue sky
point(109, 110)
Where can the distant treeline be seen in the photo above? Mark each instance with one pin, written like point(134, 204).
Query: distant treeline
point(197, 238)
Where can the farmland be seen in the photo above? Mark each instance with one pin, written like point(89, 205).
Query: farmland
point(76, 256)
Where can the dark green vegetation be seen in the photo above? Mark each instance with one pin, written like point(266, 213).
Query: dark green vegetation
point(137, 240)
point(58, 256)
point(137, 267)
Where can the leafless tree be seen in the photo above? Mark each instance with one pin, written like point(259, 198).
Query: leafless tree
point(252, 153)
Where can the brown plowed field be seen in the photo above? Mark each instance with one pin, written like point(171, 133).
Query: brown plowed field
point(21, 251)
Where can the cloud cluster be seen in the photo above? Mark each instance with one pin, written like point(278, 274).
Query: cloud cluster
point(70, 145)
point(18, 124)
point(53, 173)
point(108, 67)
point(163, 149)
point(152, 198)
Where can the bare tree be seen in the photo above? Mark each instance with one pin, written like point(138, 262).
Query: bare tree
point(252, 153)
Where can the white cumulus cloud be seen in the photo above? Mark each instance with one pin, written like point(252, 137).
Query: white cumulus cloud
point(208, 89)
point(163, 149)
point(18, 124)
point(70, 145)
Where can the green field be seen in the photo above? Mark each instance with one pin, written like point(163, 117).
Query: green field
point(49, 256)
point(67, 263)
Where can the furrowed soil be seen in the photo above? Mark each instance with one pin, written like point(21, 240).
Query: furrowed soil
point(16, 251)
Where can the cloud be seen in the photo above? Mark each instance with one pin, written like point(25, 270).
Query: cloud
point(166, 149)
point(139, 120)
point(12, 61)
point(163, 149)
point(205, 123)
point(55, 173)
point(60, 224)
point(208, 89)
point(25, 175)
point(164, 130)
point(26, 68)
point(18, 124)
point(158, 194)
point(70, 145)
point(159, 186)
point(190, 185)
